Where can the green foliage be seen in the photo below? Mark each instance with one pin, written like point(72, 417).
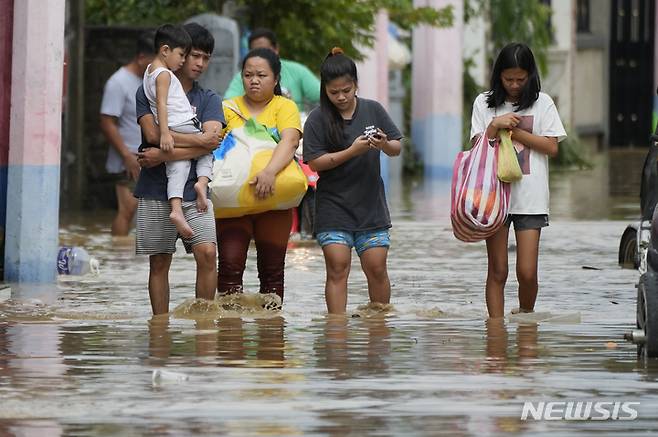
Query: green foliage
point(142, 12)
point(570, 153)
point(526, 21)
point(308, 29)
point(534, 29)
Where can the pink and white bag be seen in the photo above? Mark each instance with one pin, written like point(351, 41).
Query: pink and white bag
point(479, 200)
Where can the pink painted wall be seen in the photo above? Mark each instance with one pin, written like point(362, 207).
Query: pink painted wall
point(36, 83)
point(437, 64)
point(373, 70)
point(6, 29)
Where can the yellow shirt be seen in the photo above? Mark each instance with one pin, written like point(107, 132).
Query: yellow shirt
point(280, 113)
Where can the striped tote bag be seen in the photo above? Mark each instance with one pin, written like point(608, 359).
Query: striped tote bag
point(479, 200)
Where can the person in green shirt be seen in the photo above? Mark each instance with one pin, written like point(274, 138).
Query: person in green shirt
point(297, 81)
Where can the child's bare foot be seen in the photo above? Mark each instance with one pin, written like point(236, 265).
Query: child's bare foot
point(201, 189)
point(182, 226)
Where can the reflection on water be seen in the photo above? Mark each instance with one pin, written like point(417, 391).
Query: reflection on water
point(82, 363)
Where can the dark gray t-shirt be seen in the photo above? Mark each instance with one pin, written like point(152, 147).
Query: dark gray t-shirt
point(350, 197)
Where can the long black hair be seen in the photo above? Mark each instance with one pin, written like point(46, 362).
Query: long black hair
point(514, 55)
point(334, 66)
point(274, 62)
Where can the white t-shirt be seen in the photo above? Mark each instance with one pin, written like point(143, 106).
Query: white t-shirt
point(530, 194)
point(179, 110)
point(119, 101)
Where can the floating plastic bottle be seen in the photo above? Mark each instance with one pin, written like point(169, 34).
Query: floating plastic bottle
point(165, 376)
point(74, 260)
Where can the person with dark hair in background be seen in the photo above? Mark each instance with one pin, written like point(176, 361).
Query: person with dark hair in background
point(515, 102)
point(270, 230)
point(297, 81)
point(118, 124)
point(343, 142)
point(156, 234)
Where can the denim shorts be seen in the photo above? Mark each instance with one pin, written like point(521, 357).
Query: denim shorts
point(523, 222)
point(361, 241)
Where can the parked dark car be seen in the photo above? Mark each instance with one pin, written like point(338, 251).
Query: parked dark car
point(638, 249)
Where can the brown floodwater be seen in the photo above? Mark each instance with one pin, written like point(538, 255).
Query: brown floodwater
point(84, 357)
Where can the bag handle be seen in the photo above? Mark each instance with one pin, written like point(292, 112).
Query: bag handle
point(230, 104)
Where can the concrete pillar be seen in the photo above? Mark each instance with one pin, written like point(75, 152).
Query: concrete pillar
point(6, 29)
point(373, 73)
point(34, 139)
point(373, 69)
point(436, 128)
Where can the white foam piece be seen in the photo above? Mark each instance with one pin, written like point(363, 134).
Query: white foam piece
point(545, 317)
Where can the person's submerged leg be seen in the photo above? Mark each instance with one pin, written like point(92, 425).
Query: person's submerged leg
point(337, 260)
point(497, 269)
point(372, 247)
point(271, 233)
point(159, 282)
point(373, 263)
point(127, 206)
point(527, 254)
point(233, 238)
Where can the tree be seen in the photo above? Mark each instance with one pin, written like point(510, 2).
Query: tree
point(142, 12)
point(306, 29)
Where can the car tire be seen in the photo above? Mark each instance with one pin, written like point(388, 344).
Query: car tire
point(628, 249)
point(647, 314)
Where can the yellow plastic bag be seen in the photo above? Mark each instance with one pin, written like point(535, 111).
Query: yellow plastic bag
point(244, 152)
point(509, 169)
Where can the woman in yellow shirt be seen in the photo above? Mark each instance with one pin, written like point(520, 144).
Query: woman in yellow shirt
point(262, 100)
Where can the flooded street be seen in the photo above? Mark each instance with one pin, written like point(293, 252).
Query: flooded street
point(83, 363)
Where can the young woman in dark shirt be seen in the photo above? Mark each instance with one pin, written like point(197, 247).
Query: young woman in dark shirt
point(343, 141)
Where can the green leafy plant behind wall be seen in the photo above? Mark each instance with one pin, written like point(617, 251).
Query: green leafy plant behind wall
point(306, 29)
point(142, 12)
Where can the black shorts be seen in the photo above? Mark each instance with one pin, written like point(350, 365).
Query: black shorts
point(123, 180)
point(523, 222)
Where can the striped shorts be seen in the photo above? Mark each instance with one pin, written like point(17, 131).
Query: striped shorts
point(156, 234)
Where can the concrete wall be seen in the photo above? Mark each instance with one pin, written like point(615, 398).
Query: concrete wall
point(591, 89)
point(558, 83)
point(437, 76)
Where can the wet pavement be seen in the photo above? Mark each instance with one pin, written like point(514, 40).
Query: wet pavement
point(82, 361)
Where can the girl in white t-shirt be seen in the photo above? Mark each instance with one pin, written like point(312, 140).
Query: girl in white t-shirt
point(515, 102)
